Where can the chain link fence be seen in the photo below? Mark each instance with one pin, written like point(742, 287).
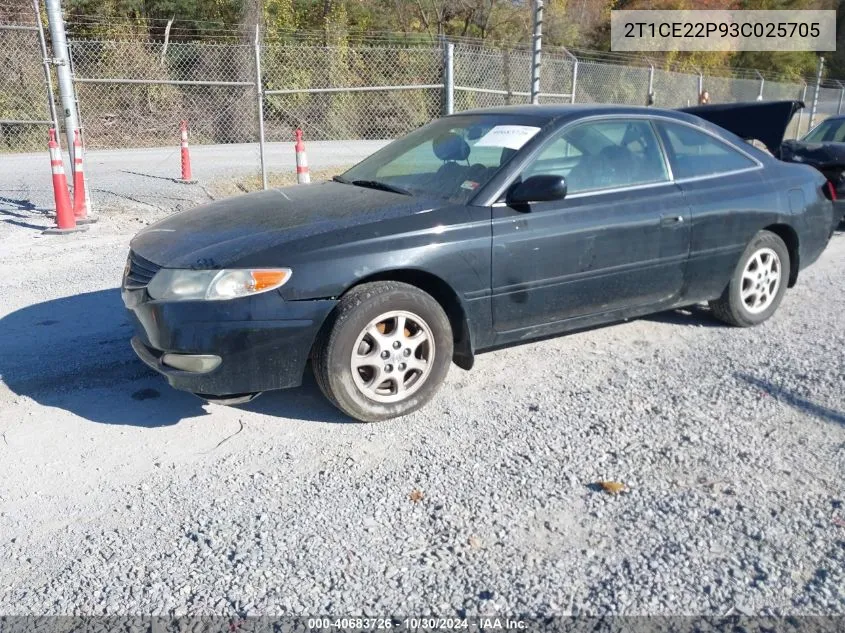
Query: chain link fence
point(24, 111)
point(609, 83)
point(675, 89)
point(485, 77)
point(134, 93)
point(349, 93)
point(488, 77)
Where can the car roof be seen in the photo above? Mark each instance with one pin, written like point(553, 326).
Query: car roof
point(566, 111)
point(561, 114)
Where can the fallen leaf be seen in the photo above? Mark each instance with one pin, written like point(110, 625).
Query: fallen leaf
point(613, 487)
point(475, 542)
point(416, 495)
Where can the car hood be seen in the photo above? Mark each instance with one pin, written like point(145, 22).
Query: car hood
point(765, 121)
point(221, 233)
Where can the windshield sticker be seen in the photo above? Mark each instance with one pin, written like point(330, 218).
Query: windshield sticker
point(469, 184)
point(510, 136)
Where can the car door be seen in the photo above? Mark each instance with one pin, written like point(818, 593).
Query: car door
point(728, 197)
point(619, 239)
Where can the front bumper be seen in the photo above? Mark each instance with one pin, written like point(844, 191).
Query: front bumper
point(264, 341)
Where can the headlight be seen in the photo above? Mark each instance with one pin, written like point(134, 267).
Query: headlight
point(196, 285)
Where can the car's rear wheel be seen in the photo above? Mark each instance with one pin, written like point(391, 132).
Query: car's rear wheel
point(385, 351)
point(758, 283)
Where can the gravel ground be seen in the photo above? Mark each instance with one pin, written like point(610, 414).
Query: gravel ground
point(119, 495)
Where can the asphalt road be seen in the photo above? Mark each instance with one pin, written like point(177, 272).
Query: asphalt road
point(146, 179)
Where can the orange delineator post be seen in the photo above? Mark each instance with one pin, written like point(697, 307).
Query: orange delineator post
point(80, 199)
point(65, 220)
point(303, 176)
point(186, 156)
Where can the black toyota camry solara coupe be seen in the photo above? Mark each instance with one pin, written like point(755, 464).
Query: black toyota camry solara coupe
point(478, 230)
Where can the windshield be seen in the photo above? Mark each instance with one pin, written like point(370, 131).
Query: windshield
point(449, 158)
point(830, 131)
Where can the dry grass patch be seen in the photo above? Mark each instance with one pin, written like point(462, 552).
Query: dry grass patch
point(246, 184)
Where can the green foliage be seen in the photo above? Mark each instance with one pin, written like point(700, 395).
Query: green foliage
point(279, 15)
point(198, 16)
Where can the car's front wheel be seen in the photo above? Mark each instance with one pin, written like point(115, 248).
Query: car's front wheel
point(385, 351)
point(758, 283)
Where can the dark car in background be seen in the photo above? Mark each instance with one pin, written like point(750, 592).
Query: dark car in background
point(479, 230)
point(823, 147)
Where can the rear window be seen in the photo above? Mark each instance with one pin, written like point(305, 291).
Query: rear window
point(695, 154)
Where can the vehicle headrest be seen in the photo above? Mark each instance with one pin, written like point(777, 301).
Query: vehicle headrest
point(616, 153)
point(450, 146)
point(475, 132)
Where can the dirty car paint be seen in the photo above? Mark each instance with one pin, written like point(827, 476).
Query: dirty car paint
point(517, 272)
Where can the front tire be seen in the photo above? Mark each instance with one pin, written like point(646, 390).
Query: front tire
point(385, 351)
point(758, 283)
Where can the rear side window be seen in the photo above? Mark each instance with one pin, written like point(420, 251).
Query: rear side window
point(694, 153)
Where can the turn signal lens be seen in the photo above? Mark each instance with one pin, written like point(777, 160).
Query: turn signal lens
point(268, 279)
point(229, 284)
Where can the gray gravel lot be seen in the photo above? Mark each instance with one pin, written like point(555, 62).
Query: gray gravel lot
point(119, 495)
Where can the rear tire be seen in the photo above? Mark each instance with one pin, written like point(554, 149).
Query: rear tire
point(384, 352)
point(758, 283)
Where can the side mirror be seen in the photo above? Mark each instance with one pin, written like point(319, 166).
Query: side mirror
point(538, 189)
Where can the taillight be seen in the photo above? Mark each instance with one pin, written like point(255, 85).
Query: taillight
point(831, 191)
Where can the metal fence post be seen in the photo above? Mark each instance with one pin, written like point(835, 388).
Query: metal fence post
point(46, 65)
point(841, 94)
point(762, 83)
point(816, 93)
point(536, 54)
point(59, 41)
point(81, 127)
point(801, 111)
point(506, 75)
point(650, 96)
point(700, 87)
point(259, 102)
point(448, 78)
point(574, 80)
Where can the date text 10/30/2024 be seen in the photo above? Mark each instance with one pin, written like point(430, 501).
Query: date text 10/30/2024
point(491, 623)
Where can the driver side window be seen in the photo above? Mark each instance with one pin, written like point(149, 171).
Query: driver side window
point(603, 155)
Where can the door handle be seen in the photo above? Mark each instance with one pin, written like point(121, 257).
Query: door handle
point(669, 220)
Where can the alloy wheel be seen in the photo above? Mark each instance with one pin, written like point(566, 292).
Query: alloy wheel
point(760, 280)
point(393, 356)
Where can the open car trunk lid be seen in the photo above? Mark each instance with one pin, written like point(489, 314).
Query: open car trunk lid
point(765, 121)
